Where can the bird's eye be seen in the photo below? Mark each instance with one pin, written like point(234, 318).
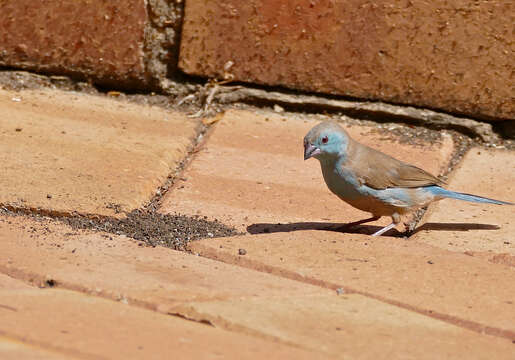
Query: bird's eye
point(325, 140)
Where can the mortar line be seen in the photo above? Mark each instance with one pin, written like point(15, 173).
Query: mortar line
point(33, 279)
point(288, 274)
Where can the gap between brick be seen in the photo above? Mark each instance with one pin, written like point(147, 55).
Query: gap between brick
point(257, 266)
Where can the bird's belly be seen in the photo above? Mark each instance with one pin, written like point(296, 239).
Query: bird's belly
point(350, 191)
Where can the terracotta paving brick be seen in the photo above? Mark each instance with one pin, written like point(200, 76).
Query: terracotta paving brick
point(117, 268)
point(453, 287)
point(88, 327)
point(480, 229)
point(418, 52)
point(65, 151)
point(16, 350)
point(7, 282)
point(251, 173)
point(350, 326)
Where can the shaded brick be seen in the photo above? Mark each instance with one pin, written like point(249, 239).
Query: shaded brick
point(71, 152)
point(450, 56)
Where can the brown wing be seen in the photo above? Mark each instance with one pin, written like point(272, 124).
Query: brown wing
point(380, 171)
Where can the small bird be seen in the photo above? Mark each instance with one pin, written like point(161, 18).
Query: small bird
point(373, 181)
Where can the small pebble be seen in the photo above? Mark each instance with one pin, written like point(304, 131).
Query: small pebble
point(340, 291)
point(278, 109)
point(242, 252)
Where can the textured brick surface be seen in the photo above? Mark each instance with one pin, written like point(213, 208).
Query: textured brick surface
point(350, 326)
point(68, 152)
point(451, 56)
point(251, 173)
point(477, 228)
point(7, 282)
point(116, 267)
point(454, 287)
point(86, 327)
point(261, 311)
point(16, 350)
point(97, 39)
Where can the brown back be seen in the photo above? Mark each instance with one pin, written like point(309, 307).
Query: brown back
point(380, 171)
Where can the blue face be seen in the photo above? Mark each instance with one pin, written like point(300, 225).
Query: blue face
point(324, 144)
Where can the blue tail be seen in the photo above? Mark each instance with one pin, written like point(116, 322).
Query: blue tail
point(443, 193)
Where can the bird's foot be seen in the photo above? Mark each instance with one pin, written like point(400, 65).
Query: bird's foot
point(385, 229)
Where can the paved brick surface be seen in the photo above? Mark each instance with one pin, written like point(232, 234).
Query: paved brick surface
point(479, 229)
point(88, 327)
point(7, 282)
point(66, 293)
point(350, 326)
point(442, 284)
point(416, 53)
point(251, 174)
point(243, 301)
point(16, 350)
point(116, 267)
point(94, 39)
point(66, 152)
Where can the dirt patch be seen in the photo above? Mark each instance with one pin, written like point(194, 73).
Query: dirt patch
point(149, 227)
point(152, 228)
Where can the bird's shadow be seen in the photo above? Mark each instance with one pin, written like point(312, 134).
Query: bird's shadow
point(266, 228)
point(454, 227)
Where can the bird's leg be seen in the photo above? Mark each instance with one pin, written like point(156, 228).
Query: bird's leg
point(396, 219)
point(385, 229)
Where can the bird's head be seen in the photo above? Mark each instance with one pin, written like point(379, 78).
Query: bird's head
point(325, 141)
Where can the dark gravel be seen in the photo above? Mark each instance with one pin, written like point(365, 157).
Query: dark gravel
point(153, 228)
point(150, 227)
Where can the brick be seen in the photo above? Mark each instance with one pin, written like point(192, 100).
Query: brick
point(69, 152)
point(117, 268)
point(478, 229)
point(253, 166)
point(245, 302)
point(7, 282)
point(92, 39)
point(454, 57)
point(15, 350)
point(82, 326)
point(453, 287)
point(349, 326)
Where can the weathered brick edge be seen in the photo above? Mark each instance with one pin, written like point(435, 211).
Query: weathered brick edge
point(131, 44)
point(449, 56)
